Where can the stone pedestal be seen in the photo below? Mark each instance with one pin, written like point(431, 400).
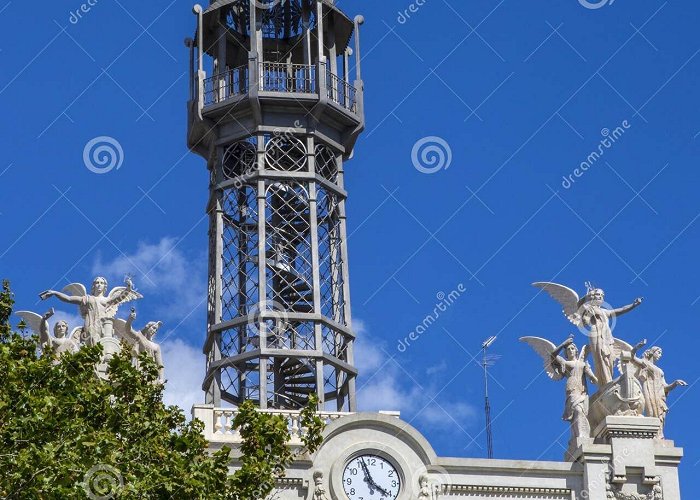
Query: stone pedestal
point(626, 460)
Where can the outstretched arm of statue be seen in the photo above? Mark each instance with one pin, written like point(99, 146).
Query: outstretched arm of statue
point(625, 309)
point(70, 299)
point(129, 331)
point(44, 333)
point(677, 383)
point(638, 361)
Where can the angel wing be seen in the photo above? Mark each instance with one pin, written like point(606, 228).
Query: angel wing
point(118, 296)
point(545, 349)
point(75, 290)
point(620, 346)
point(122, 332)
point(567, 297)
point(32, 320)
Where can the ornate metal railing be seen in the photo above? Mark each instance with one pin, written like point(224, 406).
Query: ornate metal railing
point(279, 77)
point(283, 77)
point(341, 92)
point(223, 86)
point(219, 426)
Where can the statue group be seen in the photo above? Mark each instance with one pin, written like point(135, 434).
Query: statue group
point(100, 324)
point(640, 389)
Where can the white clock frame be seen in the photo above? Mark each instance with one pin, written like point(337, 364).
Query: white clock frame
point(370, 448)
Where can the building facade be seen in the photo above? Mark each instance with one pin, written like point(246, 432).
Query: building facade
point(276, 107)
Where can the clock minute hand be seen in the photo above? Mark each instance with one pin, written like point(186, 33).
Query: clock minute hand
point(368, 478)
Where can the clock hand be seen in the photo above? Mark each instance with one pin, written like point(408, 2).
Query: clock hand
point(370, 481)
point(368, 478)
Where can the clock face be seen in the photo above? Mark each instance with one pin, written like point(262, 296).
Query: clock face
point(369, 477)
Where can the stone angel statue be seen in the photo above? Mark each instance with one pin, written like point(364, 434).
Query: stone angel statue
point(141, 340)
point(654, 385)
point(590, 312)
point(576, 370)
point(60, 341)
point(96, 306)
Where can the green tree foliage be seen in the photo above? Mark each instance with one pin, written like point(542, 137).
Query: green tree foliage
point(65, 433)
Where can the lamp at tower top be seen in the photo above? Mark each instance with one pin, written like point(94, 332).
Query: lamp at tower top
point(289, 58)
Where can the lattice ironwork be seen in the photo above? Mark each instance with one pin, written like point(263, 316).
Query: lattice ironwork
point(326, 163)
point(241, 158)
point(239, 281)
point(286, 153)
point(330, 257)
point(288, 247)
point(281, 19)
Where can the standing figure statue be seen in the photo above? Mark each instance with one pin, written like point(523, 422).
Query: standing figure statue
point(427, 490)
point(141, 340)
point(590, 313)
point(59, 342)
point(95, 308)
point(319, 489)
point(654, 384)
point(576, 370)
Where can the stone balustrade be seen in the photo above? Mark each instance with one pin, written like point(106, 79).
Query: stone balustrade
point(219, 427)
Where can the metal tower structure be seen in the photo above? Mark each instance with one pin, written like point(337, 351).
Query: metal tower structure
point(487, 361)
point(275, 113)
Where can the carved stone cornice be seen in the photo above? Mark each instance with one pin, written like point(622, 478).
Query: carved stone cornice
point(518, 491)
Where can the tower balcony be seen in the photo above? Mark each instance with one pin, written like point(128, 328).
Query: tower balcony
point(274, 80)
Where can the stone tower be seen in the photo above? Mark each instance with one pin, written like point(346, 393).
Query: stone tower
point(276, 107)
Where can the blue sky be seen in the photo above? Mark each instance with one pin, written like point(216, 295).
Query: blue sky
point(521, 93)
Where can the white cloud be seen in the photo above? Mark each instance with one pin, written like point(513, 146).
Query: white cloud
point(184, 371)
point(162, 272)
point(383, 384)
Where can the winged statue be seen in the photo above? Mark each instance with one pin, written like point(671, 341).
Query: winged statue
point(96, 306)
point(141, 340)
point(591, 314)
point(576, 371)
point(60, 341)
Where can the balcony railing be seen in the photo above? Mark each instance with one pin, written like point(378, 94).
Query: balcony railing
point(292, 78)
point(341, 92)
point(279, 77)
point(221, 87)
point(218, 422)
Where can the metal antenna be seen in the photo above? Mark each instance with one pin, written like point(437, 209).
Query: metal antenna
point(486, 362)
